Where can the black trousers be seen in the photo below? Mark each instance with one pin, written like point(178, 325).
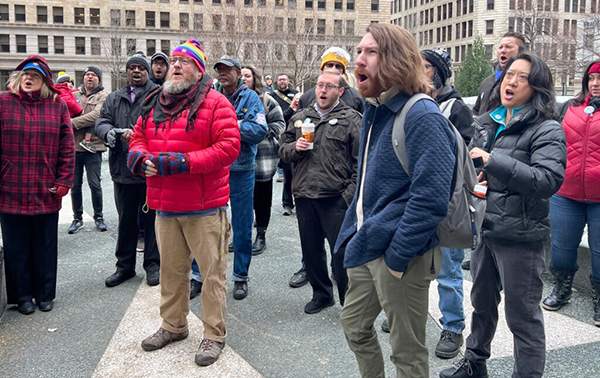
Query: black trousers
point(263, 198)
point(516, 269)
point(30, 256)
point(92, 164)
point(129, 198)
point(287, 200)
point(320, 219)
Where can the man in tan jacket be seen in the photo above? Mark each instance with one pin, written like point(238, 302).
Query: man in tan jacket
point(89, 149)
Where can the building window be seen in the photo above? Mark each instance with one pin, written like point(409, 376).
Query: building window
point(374, 5)
point(337, 27)
point(42, 15)
point(3, 12)
point(248, 3)
point(230, 2)
point(278, 51)
point(150, 19)
point(115, 46)
point(165, 46)
point(349, 27)
point(216, 22)
point(490, 4)
point(198, 21)
point(198, 1)
point(261, 24)
point(321, 4)
point(308, 25)
point(19, 13)
point(94, 16)
point(248, 24)
point(130, 18)
point(489, 27)
point(261, 3)
point(216, 2)
point(308, 4)
point(165, 20)
point(278, 24)
point(150, 47)
point(131, 46)
point(21, 43)
point(291, 53)
point(184, 21)
point(291, 25)
point(115, 17)
point(4, 43)
point(248, 56)
point(59, 45)
point(79, 16)
point(279, 3)
point(95, 45)
point(57, 15)
point(80, 45)
point(337, 5)
point(43, 44)
point(350, 5)
point(321, 26)
point(292, 4)
point(230, 49)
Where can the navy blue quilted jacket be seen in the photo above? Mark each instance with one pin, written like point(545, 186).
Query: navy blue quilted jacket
point(401, 213)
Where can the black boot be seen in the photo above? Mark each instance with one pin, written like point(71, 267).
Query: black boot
point(260, 244)
point(596, 300)
point(561, 292)
point(466, 369)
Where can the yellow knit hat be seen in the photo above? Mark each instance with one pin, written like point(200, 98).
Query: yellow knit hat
point(337, 55)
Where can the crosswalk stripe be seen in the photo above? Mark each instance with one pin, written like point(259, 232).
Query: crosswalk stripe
point(124, 356)
point(561, 330)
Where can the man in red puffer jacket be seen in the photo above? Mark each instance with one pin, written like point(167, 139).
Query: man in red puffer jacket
point(184, 143)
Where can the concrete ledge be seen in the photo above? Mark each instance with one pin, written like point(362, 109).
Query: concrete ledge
point(2, 284)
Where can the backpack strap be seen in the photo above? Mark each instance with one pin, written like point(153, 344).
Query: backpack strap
point(446, 107)
point(282, 96)
point(398, 136)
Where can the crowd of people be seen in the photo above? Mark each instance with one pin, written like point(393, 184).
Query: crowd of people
point(183, 147)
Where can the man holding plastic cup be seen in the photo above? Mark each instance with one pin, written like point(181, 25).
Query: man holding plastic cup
point(321, 142)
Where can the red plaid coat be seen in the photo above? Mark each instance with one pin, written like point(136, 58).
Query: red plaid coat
point(36, 152)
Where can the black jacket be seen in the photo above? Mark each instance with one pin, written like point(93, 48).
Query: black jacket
point(330, 168)
point(284, 99)
point(486, 88)
point(119, 112)
point(526, 168)
point(460, 114)
point(351, 97)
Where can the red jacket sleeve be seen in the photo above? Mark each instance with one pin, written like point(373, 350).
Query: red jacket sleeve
point(68, 97)
point(65, 164)
point(226, 136)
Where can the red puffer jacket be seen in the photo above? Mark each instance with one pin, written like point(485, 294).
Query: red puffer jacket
point(582, 178)
point(212, 146)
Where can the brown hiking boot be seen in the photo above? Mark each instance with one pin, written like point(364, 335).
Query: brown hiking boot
point(208, 352)
point(161, 338)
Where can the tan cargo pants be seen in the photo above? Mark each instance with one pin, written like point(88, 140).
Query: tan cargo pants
point(205, 239)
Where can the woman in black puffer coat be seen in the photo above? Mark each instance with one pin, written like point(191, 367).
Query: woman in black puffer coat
point(523, 152)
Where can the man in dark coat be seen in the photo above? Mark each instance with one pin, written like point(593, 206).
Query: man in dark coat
point(115, 126)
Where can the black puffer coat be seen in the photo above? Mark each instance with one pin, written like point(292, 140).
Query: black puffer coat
point(526, 168)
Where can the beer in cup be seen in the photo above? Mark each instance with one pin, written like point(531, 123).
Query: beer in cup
point(308, 133)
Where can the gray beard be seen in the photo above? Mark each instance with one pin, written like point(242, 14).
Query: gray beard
point(174, 88)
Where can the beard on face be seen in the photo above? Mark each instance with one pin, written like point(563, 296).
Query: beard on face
point(177, 87)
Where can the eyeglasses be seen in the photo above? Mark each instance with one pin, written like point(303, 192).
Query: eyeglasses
point(183, 61)
point(521, 76)
point(327, 86)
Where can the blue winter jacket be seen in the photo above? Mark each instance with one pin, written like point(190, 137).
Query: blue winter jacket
point(252, 122)
point(401, 213)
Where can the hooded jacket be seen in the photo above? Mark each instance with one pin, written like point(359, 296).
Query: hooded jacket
point(119, 112)
point(526, 167)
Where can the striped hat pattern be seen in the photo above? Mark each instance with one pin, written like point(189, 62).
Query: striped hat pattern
point(192, 48)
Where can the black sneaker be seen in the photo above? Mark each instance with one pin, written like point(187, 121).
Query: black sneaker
point(449, 344)
point(287, 211)
point(153, 276)
point(385, 326)
point(315, 306)
point(466, 369)
point(240, 290)
point(100, 225)
point(466, 265)
point(195, 288)
point(75, 226)
point(299, 279)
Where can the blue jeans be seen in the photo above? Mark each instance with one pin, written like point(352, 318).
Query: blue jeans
point(241, 184)
point(450, 290)
point(196, 275)
point(567, 221)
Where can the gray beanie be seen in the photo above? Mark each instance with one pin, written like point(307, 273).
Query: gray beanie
point(159, 55)
point(139, 59)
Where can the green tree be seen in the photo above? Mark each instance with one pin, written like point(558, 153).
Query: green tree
point(475, 67)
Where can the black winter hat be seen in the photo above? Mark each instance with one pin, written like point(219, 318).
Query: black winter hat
point(442, 62)
point(159, 55)
point(95, 70)
point(140, 59)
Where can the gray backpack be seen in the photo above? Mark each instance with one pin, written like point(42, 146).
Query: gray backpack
point(461, 228)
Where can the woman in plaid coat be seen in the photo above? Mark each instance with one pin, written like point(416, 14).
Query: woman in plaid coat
point(37, 156)
point(267, 158)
